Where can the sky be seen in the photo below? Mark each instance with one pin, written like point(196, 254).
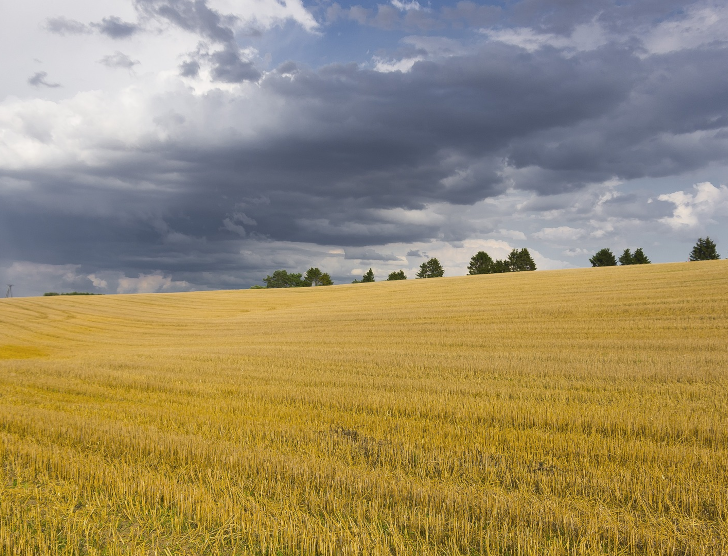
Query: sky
point(178, 145)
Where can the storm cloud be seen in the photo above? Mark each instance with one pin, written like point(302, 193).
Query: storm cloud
point(525, 131)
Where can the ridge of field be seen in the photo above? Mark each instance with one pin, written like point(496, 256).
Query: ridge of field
point(555, 412)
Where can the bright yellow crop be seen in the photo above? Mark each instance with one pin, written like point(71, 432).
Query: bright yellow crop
point(562, 412)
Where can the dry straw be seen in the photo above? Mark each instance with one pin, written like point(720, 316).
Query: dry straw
point(562, 412)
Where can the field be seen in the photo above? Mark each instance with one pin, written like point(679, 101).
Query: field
point(561, 412)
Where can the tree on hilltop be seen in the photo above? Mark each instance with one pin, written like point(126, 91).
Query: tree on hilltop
point(282, 279)
point(368, 276)
point(639, 257)
point(704, 250)
point(521, 260)
point(398, 275)
point(314, 277)
point(626, 258)
point(480, 263)
point(431, 269)
point(603, 257)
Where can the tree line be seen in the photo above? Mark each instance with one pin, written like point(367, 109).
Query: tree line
point(518, 260)
point(703, 250)
point(481, 263)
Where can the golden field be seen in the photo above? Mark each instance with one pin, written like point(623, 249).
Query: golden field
point(561, 412)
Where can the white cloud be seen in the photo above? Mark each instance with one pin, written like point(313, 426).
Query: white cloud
point(265, 13)
point(406, 6)
point(98, 282)
point(701, 25)
point(698, 209)
point(559, 234)
point(151, 283)
point(584, 37)
point(29, 278)
point(513, 234)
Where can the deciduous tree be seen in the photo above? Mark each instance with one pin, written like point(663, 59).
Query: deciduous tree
point(480, 263)
point(314, 277)
point(282, 279)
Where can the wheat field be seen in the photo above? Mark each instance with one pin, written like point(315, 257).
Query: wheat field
point(561, 412)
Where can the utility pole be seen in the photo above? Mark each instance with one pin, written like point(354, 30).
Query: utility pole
point(9, 293)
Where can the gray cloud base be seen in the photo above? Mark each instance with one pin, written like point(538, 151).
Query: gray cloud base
point(348, 152)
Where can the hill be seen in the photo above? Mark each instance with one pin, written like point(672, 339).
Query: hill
point(561, 412)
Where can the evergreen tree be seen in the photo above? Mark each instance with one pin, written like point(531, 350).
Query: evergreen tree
point(431, 269)
point(639, 257)
point(480, 263)
point(399, 275)
point(626, 258)
point(500, 267)
point(704, 250)
point(519, 261)
point(603, 257)
point(368, 276)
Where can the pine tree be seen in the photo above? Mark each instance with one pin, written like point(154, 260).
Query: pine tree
point(626, 258)
point(639, 257)
point(603, 257)
point(521, 260)
point(704, 250)
point(399, 275)
point(368, 276)
point(431, 269)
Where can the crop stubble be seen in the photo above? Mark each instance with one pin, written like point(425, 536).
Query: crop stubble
point(561, 412)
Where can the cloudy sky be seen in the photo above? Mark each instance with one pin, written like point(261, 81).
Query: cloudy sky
point(168, 145)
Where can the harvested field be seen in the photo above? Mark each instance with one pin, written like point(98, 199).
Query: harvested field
point(559, 412)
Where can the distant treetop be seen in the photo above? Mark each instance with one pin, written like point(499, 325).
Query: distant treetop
point(704, 250)
point(603, 257)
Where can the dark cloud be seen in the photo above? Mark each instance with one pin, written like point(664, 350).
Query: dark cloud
point(350, 157)
point(368, 254)
point(229, 67)
point(115, 28)
point(39, 80)
point(118, 60)
point(64, 26)
point(190, 68)
point(194, 16)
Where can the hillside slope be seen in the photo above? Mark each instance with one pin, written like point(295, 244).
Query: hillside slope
point(576, 411)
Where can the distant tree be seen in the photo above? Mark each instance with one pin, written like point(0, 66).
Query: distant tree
point(520, 260)
point(603, 257)
point(282, 279)
point(639, 257)
point(480, 263)
point(704, 250)
point(314, 277)
point(399, 275)
point(368, 276)
point(356, 281)
point(500, 267)
point(431, 269)
point(626, 258)
point(257, 287)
